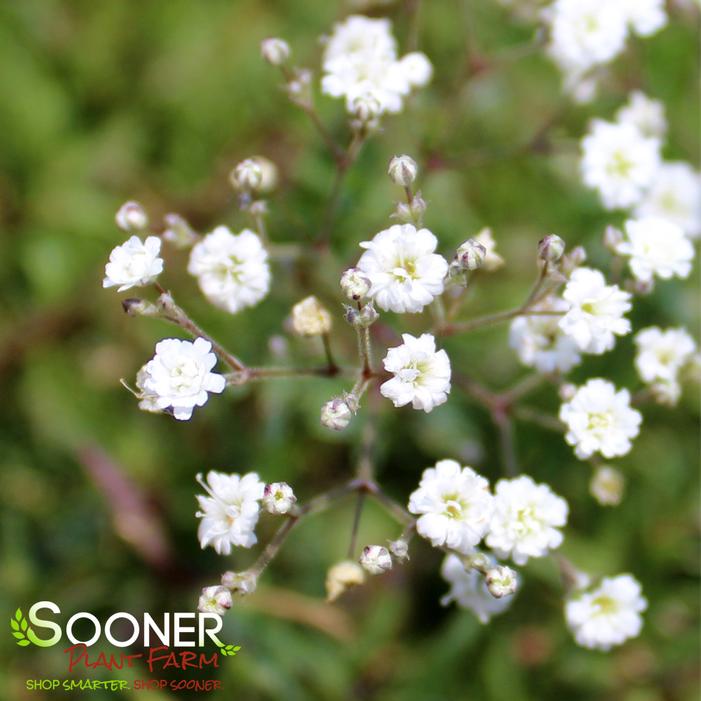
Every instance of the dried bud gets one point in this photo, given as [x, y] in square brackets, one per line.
[501, 581]
[376, 559]
[178, 231]
[240, 583]
[551, 248]
[337, 413]
[310, 318]
[247, 176]
[275, 51]
[132, 218]
[341, 577]
[470, 256]
[399, 548]
[403, 170]
[355, 284]
[612, 238]
[216, 599]
[278, 498]
[607, 486]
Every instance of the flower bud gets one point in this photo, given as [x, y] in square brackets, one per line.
[341, 577]
[403, 170]
[299, 88]
[367, 110]
[310, 318]
[178, 231]
[613, 237]
[567, 391]
[376, 559]
[607, 486]
[501, 581]
[216, 599]
[470, 255]
[364, 317]
[139, 307]
[269, 174]
[275, 51]
[399, 548]
[576, 257]
[337, 413]
[131, 217]
[247, 176]
[666, 393]
[278, 498]
[411, 213]
[355, 284]
[240, 583]
[551, 248]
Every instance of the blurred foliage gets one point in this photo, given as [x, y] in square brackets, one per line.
[105, 101]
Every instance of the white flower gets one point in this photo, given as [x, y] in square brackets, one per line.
[492, 260]
[358, 34]
[240, 583]
[421, 374]
[278, 498]
[131, 217]
[501, 581]
[134, 264]
[607, 615]
[540, 342]
[619, 162]
[231, 269]
[275, 51]
[645, 16]
[585, 33]
[525, 519]
[403, 269]
[675, 195]
[338, 412]
[607, 486]
[230, 511]
[216, 599]
[179, 376]
[600, 419]
[341, 577]
[310, 317]
[656, 248]
[417, 69]
[454, 506]
[644, 113]
[354, 284]
[376, 559]
[469, 590]
[662, 354]
[596, 314]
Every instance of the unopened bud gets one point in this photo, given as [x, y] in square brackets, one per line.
[364, 317]
[403, 170]
[131, 217]
[376, 559]
[666, 393]
[247, 176]
[470, 255]
[613, 237]
[216, 599]
[607, 486]
[240, 583]
[574, 259]
[269, 174]
[501, 581]
[551, 248]
[341, 577]
[367, 110]
[337, 413]
[355, 284]
[139, 307]
[412, 213]
[399, 548]
[275, 51]
[178, 231]
[310, 317]
[278, 498]
[567, 391]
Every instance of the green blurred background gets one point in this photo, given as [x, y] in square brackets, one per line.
[156, 100]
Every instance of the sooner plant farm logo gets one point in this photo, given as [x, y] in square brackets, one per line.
[175, 642]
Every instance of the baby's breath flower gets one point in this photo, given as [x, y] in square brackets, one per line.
[403, 170]
[310, 318]
[275, 51]
[355, 284]
[501, 581]
[215, 599]
[240, 583]
[470, 255]
[551, 248]
[342, 576]
[247, 176]
[376, 559]
[278, 498]
[607, 485]
[337, 413]
[132, 218]
[134, 264]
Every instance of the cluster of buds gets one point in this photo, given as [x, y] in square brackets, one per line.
[363, 317]
[367, 111]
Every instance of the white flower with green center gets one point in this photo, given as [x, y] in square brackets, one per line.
[216, 599]
[607, 615]
[619, 162]
[453, 505]
[656, 247]
[232, 269]
[230, 510]
[404, 271]
[526, 519]
[596, 313]
[134, 264]
[599, 419]
[421, 374]
[178, 378]
[469, 591]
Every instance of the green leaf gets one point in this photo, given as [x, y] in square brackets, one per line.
[19, 635]
[23, 624]
[13, 624]
[23, 643]
[18, 614]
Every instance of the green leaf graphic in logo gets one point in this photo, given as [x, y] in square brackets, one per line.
[21, 629]
[229, 650]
